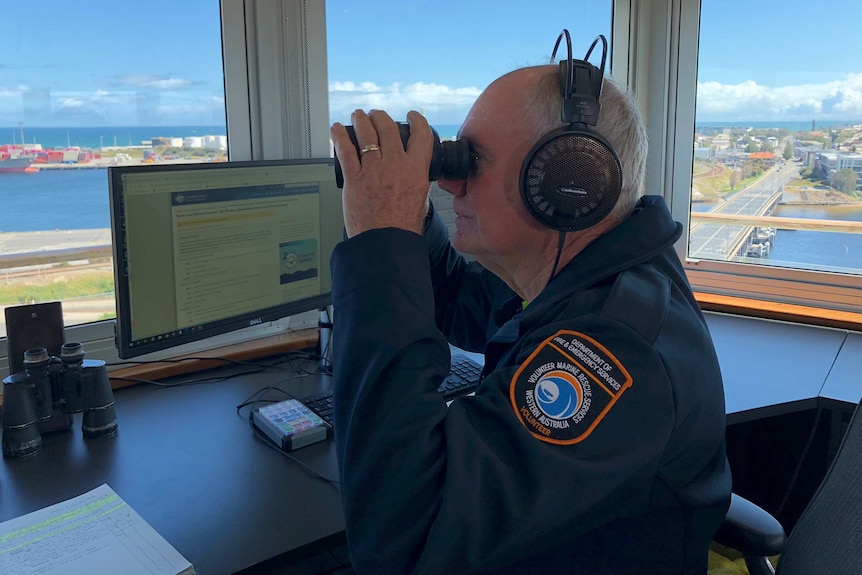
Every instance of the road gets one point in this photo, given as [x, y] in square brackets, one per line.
[720, 241]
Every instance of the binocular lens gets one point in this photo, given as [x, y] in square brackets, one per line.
[20, 430]
[450, 159]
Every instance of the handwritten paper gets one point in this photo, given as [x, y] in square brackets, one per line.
[93, 534]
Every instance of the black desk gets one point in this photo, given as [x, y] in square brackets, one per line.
[192, 468]
[189, 466]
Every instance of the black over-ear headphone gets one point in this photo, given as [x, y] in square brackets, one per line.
[572, 178]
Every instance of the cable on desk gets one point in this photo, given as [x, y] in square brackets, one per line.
[290, 359]
[315, 473]
[214, 379]
[257, 397]
[185, 359]
[252, 400]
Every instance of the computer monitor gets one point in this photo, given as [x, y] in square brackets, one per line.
[203, 249]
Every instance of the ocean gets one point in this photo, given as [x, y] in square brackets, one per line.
[54, 200]
[78, 199]
[790, 126]
[97, 137]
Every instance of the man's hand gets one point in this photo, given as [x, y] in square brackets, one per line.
[388, 186]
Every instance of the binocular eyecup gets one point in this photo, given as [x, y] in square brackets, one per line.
[450, 159]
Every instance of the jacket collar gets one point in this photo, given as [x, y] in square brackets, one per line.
[647, 232]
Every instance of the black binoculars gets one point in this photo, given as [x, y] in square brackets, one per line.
[42, 398]
[450, 159]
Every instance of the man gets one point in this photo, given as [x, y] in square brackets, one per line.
[595, 442]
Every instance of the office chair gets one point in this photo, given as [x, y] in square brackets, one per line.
[828, 536]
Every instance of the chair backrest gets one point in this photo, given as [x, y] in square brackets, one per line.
[828, 536]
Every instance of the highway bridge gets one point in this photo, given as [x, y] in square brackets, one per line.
[724, 237]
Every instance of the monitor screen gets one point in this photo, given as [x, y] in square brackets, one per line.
[203, 249]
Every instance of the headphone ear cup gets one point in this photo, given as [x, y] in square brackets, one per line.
[571, 180]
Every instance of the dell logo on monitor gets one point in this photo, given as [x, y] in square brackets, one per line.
[255, 321]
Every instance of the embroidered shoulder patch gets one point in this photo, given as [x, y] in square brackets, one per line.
[566, 387]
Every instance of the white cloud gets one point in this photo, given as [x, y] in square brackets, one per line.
[441, 104]
[70, 103]
[169, 84]
[11, 107]
[836, 100]
[14, 90]
[153, 82]
[99, 107]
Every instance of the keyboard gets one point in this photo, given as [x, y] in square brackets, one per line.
[463, 378]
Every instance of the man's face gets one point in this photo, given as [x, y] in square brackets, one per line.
[492, 222]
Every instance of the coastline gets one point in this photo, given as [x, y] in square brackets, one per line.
[32, 242]
[797, 196]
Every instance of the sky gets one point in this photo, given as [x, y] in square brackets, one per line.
[69, 64]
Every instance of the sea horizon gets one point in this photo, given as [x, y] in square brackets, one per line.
[95, 137]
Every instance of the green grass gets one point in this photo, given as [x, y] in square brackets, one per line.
[85, 285]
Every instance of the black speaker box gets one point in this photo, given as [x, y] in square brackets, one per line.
[29, 326]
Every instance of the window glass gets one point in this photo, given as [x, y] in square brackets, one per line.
[377, 59]
[436, 57]
[777, 171]
[84, 87]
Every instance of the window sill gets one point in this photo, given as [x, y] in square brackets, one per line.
[780, 311]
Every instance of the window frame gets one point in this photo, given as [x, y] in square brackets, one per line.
[274, 62]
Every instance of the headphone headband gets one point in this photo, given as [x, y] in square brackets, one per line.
[580, 83]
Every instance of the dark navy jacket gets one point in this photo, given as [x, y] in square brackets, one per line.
[627, 475]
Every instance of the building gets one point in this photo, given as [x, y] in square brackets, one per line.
[167, 142]
[703, 153]
[833, 161]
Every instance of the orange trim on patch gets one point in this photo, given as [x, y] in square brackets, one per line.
[586, 356]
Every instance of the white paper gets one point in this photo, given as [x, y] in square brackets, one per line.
[93, 534]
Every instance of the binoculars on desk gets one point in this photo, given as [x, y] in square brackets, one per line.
[42, 398]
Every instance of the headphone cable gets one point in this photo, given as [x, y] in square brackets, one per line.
[560, 241]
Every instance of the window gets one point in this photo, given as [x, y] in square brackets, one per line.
[260, 68]
[377, 60]
[729, 90]
[778, 133]
[84, 87]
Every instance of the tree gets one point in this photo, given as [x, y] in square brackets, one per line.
[788, 151]
[752, 147]
[844, 180]
[734, 179]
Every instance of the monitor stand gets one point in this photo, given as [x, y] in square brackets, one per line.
[325, 325]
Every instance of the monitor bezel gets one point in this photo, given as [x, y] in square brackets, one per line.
[126, 347]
